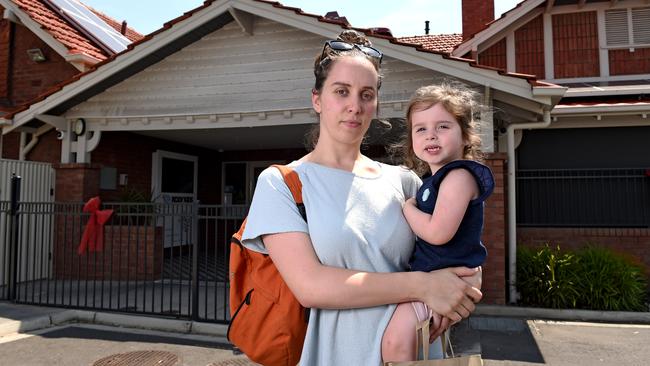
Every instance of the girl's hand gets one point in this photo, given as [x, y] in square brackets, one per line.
[447, 294]
[439, 325]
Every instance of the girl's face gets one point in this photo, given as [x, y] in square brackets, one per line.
[437, 136]
[347, 101]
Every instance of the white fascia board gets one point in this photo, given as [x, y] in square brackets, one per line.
[497, 27]
[35, 28]
[121, 62]
[463, 70]
[81, 61]
[596, 91]
[549, 91]
[288, 17]
[603, 109]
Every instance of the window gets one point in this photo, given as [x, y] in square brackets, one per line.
[627, 27]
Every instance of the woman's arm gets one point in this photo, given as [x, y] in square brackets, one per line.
[456, 190]
[321, 286]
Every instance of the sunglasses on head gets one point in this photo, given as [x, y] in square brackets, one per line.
[346, 46]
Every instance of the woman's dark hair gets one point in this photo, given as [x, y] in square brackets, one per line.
[326, 59]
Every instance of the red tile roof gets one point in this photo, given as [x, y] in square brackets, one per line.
[435, 42]
[531, 79]
[53, 23]
[66, 34]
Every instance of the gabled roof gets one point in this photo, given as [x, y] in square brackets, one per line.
[508, 18]
[60, 34]
[212, 15]
[435, 42]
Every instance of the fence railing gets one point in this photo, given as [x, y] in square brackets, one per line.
[584, 198]
[163, 259]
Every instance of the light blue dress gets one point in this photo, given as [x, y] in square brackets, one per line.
[354, 222]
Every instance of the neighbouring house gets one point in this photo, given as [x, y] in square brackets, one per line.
[583, 176]
[195, 110]
[41, 46]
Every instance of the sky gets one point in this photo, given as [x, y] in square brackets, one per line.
[404, 18]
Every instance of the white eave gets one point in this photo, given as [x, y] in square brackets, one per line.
[36, 28]
[601, 109]
[459, 68]
[497, 26]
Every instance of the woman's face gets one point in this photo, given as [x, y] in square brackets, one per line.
[347, 101]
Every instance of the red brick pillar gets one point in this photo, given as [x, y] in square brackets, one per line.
[76, 182]
[495, 234]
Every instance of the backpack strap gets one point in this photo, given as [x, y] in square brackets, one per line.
[292, 181]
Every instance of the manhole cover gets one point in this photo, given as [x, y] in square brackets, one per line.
[139, 358]
[235, 362]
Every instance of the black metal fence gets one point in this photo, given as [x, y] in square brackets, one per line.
[584, 198]
[159, 259]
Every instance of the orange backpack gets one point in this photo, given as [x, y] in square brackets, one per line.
[268, 323]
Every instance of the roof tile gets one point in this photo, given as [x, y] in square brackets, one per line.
[435, 42]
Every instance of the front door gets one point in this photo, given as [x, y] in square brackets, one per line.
[174, 182]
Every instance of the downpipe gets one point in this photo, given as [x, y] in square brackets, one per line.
[512, 203]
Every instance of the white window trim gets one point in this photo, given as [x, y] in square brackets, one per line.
[156, 171]
[250, 166]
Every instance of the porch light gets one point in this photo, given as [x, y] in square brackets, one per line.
[36, 55]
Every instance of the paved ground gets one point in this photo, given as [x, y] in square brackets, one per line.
[34, 336]
[88, 344]
[508, 341]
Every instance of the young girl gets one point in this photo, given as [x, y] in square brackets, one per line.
[447, 212]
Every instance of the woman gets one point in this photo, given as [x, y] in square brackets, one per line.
[345, 264]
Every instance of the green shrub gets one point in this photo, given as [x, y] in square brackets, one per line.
[610, 281]
[545, 278]
[590, 278]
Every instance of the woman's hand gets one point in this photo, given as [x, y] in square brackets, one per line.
[448, 294]
[475, 279]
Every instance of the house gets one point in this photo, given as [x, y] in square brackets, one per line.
[42, 46]
[582, 177]
[195, 110]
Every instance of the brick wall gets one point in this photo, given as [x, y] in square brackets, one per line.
[494, 234]
[529, 46]
[494, 56]
[625, 62]
[631, 242]
[29, 78]
[129, 253]
[76, 182]
[575, 45]
[5, 37]
[476, 14]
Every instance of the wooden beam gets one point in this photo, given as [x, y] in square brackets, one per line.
[245, 20]
[549, 5]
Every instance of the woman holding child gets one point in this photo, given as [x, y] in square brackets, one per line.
[349, 262]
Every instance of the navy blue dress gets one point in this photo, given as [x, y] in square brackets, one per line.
[465, 248]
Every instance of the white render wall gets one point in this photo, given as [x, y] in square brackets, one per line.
[228, 72]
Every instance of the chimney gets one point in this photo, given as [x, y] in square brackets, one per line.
[123, 28]
[476, 14]
[426, 27]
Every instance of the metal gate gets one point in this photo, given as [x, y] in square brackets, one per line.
[123, 266]
[37, 185]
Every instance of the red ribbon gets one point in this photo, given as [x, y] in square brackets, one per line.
[93, 237]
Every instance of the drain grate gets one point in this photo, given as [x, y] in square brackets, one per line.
[235, 362]
[139, 358]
